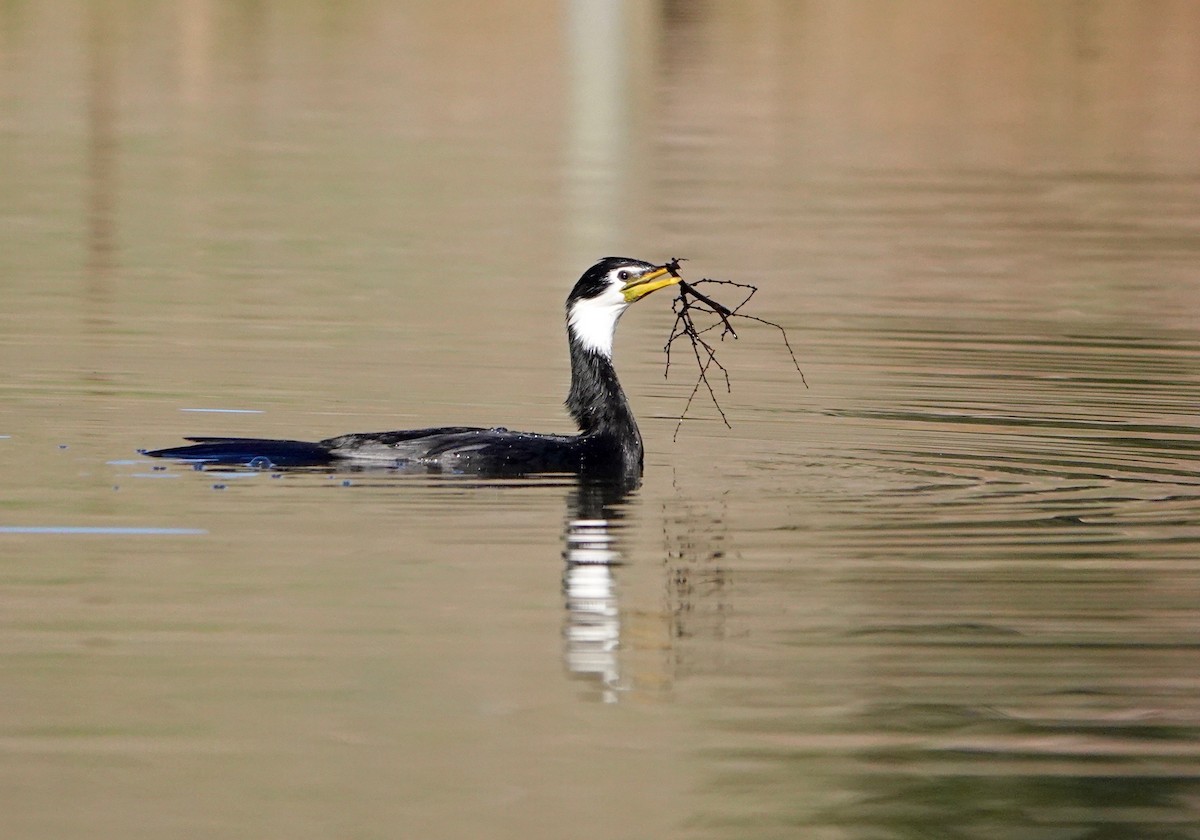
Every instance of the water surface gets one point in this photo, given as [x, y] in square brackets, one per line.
[948, 589]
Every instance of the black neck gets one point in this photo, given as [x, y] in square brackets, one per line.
[598, 404]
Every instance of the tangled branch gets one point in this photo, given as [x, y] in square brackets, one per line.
[690, 302]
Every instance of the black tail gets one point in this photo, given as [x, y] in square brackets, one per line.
[249, 452]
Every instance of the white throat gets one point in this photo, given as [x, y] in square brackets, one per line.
[594, 320]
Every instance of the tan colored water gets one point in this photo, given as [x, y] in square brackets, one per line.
[950, 590]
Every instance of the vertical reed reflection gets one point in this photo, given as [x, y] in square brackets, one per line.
[100, 269]
[608, 45]
[101, 164]
[196, 94]
[195, 61]
[598, 118]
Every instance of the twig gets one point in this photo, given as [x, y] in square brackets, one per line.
[690, 300]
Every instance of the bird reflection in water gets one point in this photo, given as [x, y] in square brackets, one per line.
[677, 621]
[592, 627]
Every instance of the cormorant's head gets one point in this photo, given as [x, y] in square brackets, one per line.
[604, 292]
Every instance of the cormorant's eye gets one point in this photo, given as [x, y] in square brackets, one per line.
[623, 275]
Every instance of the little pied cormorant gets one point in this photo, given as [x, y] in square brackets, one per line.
[608, 443]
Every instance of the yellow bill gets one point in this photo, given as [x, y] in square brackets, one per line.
[649, 282]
